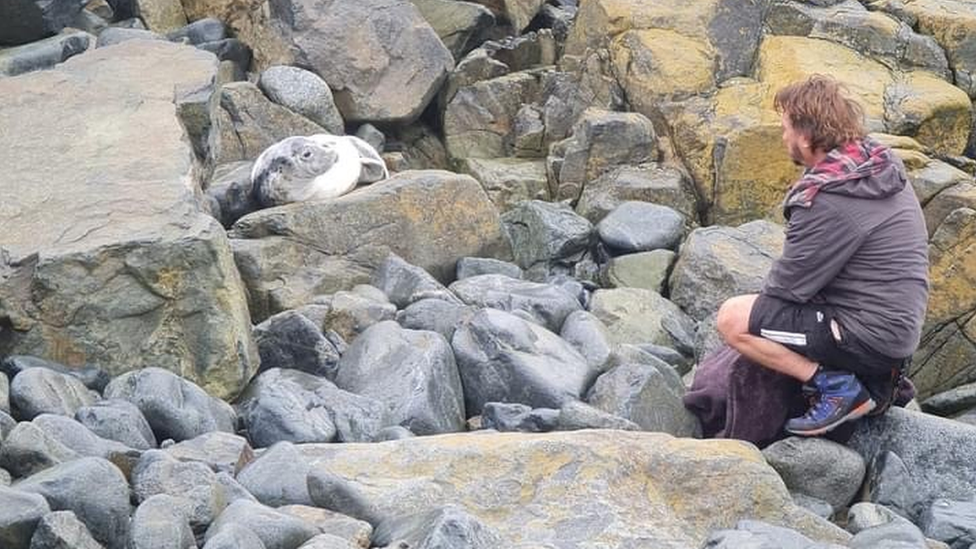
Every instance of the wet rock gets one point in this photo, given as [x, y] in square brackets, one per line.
[196, 493]
[218, 450]
[716, 263]
[435, 315]
[518, 417]
[588, 335]
[229, 192]
[43, 54]
[404, 283]
[448, 527]
[474, 266]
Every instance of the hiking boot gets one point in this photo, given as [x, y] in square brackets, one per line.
[838, 397]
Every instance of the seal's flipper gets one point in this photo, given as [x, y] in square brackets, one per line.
[374, 169]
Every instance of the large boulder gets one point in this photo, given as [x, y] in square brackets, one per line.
[944, 359]
[587, 487]
[503, 358]
[650, 182]
[429, 218]
[160, 522]
[932, 452]
[726, 140]
[63, 530]
[412, 371]
[951, 23]
[545, 232]
[716, 263]
[358, 47]
[157, 285]
[276, 529]
[873, 33]
[818, 467]
[303, 92]
[672, 49]
[41, 391]
[193, 486]
[601, 140]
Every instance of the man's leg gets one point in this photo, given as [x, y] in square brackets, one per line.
[733, 324]
[751, 323]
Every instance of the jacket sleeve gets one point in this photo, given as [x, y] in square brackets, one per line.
[819, 242]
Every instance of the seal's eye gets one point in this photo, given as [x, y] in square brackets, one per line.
[306, 154]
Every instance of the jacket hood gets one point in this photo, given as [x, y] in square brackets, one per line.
[862, 169]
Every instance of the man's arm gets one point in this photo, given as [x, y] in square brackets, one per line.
[819, 242]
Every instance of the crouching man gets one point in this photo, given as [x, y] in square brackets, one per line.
[842, 309]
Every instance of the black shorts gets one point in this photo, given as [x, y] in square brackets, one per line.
[805, 328]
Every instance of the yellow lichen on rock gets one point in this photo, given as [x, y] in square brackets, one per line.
[586, 489]
[653, 64]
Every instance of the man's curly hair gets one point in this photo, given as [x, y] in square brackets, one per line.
[820, 108]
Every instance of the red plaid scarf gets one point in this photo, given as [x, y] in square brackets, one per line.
[849, 162]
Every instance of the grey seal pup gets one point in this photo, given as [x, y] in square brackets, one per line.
[313, 167]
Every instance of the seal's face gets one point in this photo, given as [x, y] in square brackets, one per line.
[310, 159]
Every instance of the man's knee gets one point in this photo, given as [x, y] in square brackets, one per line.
[733, 316]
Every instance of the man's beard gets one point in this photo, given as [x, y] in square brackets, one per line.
[796, 155]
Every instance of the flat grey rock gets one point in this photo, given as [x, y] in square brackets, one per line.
[546, 304]
[818, 467]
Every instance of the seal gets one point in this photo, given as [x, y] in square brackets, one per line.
[315, 167]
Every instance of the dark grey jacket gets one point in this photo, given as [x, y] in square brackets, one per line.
[862, 248]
